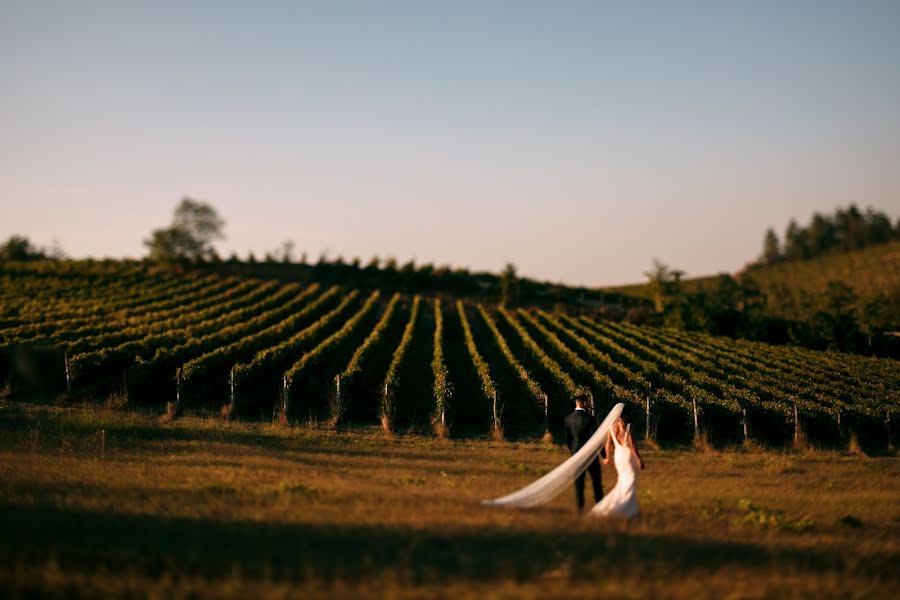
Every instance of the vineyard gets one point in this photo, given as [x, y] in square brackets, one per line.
[329, 355]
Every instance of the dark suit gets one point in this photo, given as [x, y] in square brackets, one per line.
[579, 428]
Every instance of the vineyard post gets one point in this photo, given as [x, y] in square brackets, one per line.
[887, 425]
[338, 401]
[546, 414]
[68, 376]
[840, 429]
[647, 425]
[231, 389]
[696, 418]
[493, 409]
[387, 421]
[178, 387]
[745, 425]
[285, 395]
[797, 432]
[593, 408]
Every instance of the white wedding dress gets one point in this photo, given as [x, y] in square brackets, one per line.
[550, 485]
[621, 501]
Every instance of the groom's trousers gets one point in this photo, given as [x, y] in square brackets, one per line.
[594, 470]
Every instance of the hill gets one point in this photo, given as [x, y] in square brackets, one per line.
[333, 354]
[868, 271]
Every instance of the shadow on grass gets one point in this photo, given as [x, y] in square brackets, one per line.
[152, 546]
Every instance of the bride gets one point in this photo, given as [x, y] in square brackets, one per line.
[621, 501]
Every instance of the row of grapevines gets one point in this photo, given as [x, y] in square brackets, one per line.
[618, 373]
[101, 307]
[204, 317]
[354, 368]
[834, 370]
[534, 389]
[231, 326]
[489, 392]
[713, 391]
[762, 367]
[781, 392]
[103, 304]
[212, 362]
[392, 379]
[109, 332]
[675, 379]
[578, 365]
[647, 369]
[275, 358]
[556, 373]
[110, 355]
[442, 389]
[309, 362]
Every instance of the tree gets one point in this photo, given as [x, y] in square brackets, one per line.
[771, 247]
[508, 285]
[19, 247]
[189, 239]
[821, 235]
[663, 283]
[796, 245]
[876, 314]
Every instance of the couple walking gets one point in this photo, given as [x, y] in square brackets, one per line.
[621, 501]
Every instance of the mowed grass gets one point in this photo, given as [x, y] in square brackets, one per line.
[97, 503]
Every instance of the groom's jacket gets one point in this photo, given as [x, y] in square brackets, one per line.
[579, 428]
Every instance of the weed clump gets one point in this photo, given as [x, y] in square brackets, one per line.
[760, 517]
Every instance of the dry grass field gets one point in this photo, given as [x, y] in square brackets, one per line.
[101, 503]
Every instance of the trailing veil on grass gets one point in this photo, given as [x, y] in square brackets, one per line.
[550, 485]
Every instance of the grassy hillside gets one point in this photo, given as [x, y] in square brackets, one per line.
[869, 270]
[101, 504]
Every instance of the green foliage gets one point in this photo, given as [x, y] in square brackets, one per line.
[392, 379]
[194, 227]
[663, 284]
[19, 247]
[307, 364]
[759, 517]
[849, 229]
[120, 320]
[534, 389]
[443, 390]
[488, 390]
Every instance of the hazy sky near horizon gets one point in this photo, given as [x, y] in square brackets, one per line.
[577, 140]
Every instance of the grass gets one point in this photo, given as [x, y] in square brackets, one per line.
[868, 270]
[97, 502]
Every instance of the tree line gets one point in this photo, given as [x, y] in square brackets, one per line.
[847, 229]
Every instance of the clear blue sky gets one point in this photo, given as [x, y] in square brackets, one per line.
[576, 139]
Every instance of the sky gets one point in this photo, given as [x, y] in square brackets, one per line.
[577, 140]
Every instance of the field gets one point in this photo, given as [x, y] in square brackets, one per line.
[310, 353]
[193, 435]
[101, 503]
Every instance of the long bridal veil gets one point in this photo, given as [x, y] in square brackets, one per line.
[550, 485]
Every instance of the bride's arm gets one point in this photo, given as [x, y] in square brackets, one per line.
[634, 451]
[608, 449]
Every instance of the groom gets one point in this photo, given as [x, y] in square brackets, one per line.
[579, 428]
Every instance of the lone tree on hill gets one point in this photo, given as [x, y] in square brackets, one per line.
[19, 247]
[663, 282]
[194, 227]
